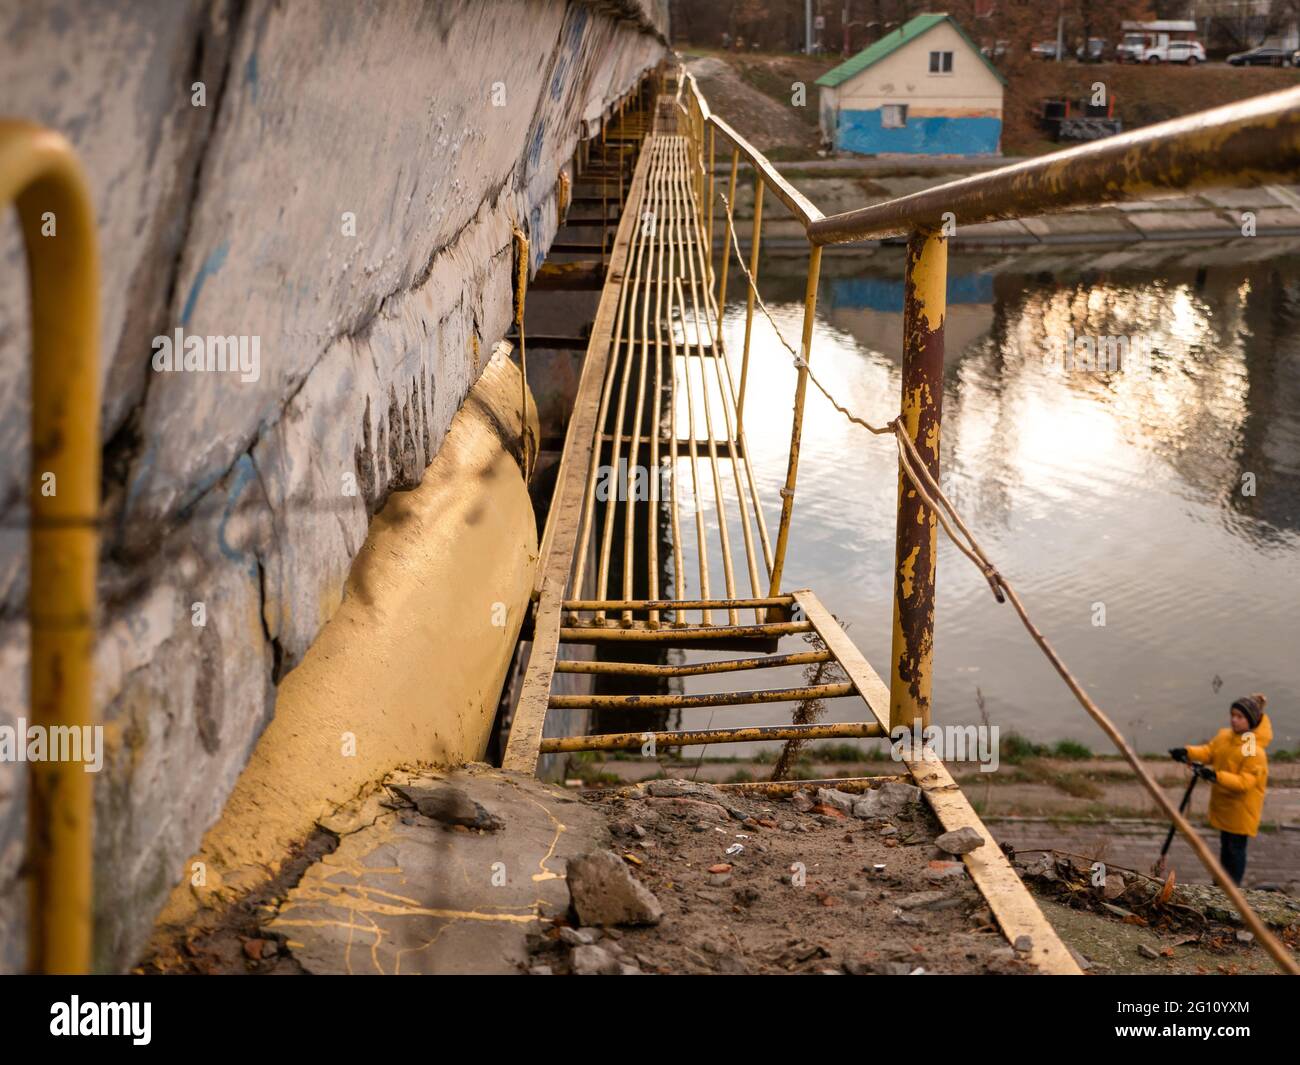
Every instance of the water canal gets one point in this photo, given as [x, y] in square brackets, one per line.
[1149, 517]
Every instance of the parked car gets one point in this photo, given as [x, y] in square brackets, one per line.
[1262, 57]
[1093, 52]
[1159, 48]
[1045, 49]
[1189, 52]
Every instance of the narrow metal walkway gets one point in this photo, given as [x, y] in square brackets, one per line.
[655, 460]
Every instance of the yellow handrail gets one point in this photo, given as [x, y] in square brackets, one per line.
[798, 204]
[41, 175]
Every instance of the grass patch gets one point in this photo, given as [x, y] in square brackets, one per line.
[1071, 751]
[1015, 749]
[837, 753]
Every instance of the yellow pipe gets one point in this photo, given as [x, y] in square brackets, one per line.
[41, 175]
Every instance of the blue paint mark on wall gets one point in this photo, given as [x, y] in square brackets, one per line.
[250, 74]
[536, 253]
[886, 293]
[244, 474]
[535, 146]
[569, 48]
[861, 131]
[215, 260]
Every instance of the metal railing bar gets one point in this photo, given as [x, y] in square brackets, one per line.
[795, 201]
[619, 741]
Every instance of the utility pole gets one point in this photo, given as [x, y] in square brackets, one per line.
[807, 27]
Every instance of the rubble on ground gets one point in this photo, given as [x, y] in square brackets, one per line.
[824, 881]
[1160, 904]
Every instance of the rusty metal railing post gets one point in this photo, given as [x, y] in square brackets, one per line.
[749, 298]
[40, 173]
[911, 659]
[796, 431]
[726, 248]
[708, 251]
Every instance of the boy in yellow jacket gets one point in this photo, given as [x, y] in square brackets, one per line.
[1234, 761]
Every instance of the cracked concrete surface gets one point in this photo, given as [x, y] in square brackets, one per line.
[407, 894]
[225, 220]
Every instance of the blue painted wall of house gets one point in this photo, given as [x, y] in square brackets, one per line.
[861, 131]
[887, 293]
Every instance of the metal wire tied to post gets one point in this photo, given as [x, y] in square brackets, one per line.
[960, 535]
[799, 362]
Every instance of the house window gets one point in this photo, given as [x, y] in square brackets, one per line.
[940, 62]
[893, 116]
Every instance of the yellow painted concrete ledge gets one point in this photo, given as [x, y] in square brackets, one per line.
[410, 666]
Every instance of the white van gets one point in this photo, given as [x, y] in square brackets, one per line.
[1164, 41]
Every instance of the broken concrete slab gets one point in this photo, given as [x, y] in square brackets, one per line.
[411, 894]
[675, 789]
[960, 841]
[840, 800]
[604, 892]
[887, 801]
[695, 809]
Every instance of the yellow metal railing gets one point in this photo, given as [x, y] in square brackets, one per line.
[40, 174]
[1248, 143]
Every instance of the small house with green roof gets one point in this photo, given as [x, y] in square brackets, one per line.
[922, 89]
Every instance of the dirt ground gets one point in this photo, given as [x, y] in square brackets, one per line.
[802, 896]
[1111, 947]
[770, 122]
[744, 884]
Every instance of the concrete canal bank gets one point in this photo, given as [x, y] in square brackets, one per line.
[332, 188]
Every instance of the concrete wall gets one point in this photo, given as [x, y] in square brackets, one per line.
[342, 188]
[959, 113]
[412, 661]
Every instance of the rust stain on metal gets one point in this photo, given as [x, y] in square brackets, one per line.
[916, 544]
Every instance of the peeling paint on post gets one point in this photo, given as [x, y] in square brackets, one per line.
[911, 676]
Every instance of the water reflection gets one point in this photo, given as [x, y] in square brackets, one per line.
[1168, 491]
